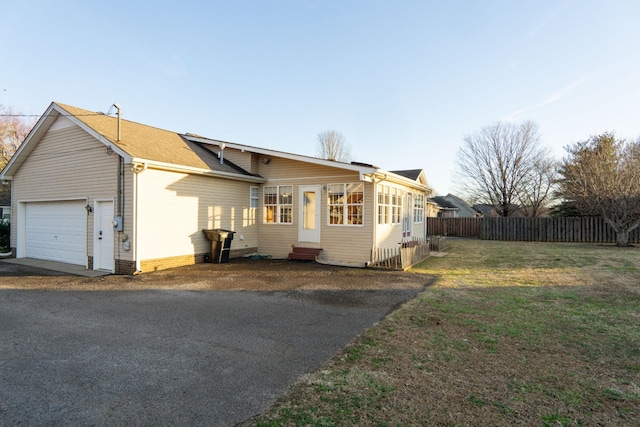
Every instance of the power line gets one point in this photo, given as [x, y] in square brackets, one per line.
[58, 115]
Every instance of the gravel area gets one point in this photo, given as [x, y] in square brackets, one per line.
[238, 274]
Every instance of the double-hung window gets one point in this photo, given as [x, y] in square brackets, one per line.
[384, 208]
[396, 205]
[278, 204]
[345, 203]
[389, 205]
[418, 208]
[254, 197]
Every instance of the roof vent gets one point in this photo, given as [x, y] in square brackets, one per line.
[118, 112]
[221, 153]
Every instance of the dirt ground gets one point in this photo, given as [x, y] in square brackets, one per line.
[238, 274]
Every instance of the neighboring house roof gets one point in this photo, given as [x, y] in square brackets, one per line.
[138, 143]
[486, 210]
[451, 201]
[443, 202]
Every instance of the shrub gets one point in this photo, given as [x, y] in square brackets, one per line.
[5, 232]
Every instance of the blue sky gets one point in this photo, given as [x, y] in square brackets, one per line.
[403, 81]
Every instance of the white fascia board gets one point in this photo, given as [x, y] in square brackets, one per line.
[170, 167]
[290, 156]
[399, 179]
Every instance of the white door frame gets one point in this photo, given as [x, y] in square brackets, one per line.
[306, 234]
[98, 206]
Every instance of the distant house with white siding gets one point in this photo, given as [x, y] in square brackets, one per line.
[119, 196]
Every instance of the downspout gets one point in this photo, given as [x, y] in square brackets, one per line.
[120, 181]
[136, 252]
[136, 169]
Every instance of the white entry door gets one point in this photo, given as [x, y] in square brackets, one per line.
[103, 241]
[309, 221]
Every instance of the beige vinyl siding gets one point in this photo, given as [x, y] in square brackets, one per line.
[239, 158]
[390, 235]
[349, 243]
[173, 208]
[67, 164]
[418, 230]
[342, 243]
[280, 168]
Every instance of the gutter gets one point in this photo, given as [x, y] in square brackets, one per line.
[144, 164]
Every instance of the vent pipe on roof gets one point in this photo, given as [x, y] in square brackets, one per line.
[221, 153]
[118, 108]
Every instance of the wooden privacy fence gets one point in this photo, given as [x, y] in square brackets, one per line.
[571, 230]
[454, 227]
[401, 257]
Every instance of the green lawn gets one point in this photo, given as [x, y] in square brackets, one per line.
[510, 333]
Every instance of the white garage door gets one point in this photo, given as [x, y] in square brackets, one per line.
[56, 231]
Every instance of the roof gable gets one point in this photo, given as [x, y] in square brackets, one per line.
[417, 175]
[147, 142]
[138, 142]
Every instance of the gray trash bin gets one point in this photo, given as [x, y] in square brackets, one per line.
[220, 244]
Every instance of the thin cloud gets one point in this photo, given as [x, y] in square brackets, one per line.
[550, 18]
[555, 96]
[175, 67]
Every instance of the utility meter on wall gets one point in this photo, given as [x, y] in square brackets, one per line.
[117, 223]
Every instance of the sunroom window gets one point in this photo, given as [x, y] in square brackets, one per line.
[345, 203]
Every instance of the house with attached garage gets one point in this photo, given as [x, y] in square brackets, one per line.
[115, 195]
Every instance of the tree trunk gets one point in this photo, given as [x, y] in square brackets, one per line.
[622, 237]
[623, 230]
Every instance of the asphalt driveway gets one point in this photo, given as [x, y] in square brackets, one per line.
[169, 356]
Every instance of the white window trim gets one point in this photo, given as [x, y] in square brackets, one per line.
[418, 209]
[278, 205]
[254, 202]
[345, 205]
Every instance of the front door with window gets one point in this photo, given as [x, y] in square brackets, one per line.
[407, 219]
[309, 223]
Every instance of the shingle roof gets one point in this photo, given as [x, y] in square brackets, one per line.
[443, 202]
[151, 143]
[409, 173]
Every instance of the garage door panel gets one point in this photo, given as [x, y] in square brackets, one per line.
[56, 231]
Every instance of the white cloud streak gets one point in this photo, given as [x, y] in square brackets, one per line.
[550, 18]
[554, 97]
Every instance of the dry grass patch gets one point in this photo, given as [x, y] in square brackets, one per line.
[511, 333]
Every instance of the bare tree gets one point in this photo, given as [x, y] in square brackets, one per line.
[601, 176]
[332, 146]
[497, 166]
[13, 130]
[538, 188]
